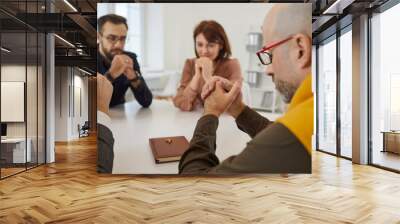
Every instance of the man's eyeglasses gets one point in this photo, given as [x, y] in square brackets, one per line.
[113, 39]
[265, 56]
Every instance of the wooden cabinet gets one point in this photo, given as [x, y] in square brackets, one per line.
[391, 142]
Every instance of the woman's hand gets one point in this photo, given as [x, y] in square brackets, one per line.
[205, 67]
[203, 71]
[195, 82]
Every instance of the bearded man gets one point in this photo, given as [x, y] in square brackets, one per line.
[120, 67]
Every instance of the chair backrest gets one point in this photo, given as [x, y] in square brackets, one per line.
[86, 125]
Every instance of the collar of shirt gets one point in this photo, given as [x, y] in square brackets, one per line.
[299, 118]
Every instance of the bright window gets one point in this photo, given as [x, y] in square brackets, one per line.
[346, 94]
[385, 85]
[327, 96]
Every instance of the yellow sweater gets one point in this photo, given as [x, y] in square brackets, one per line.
[299, 118]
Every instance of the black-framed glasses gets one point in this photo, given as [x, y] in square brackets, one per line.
[265, 56]
[113, 39]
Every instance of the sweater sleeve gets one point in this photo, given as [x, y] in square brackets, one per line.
[185, 97]
[234, 71]
[251, 122]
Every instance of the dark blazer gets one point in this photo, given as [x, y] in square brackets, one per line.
[105, 149]
[121, 84]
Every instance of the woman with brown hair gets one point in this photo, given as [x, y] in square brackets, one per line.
[213, 53]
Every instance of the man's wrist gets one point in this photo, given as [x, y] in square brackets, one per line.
[212, 112]
[238, 110]
[135, 84]
[109, 76]
[136, 80]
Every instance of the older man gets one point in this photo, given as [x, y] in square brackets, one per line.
[283, 146]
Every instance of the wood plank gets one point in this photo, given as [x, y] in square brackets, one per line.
[70, 191]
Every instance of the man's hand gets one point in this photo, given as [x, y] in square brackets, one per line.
[220, 100]
[237, 105]
[119, 65]
[209, 86]
[130, 73]
[205, 67]
[104, 93]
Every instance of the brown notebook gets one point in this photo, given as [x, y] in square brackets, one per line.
[168, 149]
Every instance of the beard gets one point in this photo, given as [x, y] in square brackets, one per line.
[110, 54]
[286, 89]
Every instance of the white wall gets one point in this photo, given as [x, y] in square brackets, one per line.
[169, 35]
[12, 73]
[179, 21]
[67, 117]
[154, 36]
[80, 83]
[33, 127]
[61, 103]
[168, 29]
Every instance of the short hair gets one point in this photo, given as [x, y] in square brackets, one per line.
[214, 33]
[112, 18]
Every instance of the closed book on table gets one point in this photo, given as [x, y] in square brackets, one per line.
[168, 149]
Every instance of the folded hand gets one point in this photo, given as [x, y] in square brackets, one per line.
[205, 67]
[219, 100]
[237, 105]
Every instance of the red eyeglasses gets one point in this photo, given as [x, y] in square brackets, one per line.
[266, 57]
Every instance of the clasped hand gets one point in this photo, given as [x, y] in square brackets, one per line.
[122, 64]
[221, 95]
[204, 67]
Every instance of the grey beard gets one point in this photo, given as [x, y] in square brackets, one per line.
[286, 89]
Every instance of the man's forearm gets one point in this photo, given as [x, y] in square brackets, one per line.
[200, 157]
[251, 122]
[142, 93]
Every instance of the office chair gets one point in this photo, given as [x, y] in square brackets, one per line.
[84, 130]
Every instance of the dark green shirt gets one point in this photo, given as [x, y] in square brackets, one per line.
[273, 148]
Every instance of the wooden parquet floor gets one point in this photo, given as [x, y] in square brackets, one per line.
[70, 191]
[10, 171]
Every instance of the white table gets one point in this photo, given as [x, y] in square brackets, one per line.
[19, 155]
[134, 125]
